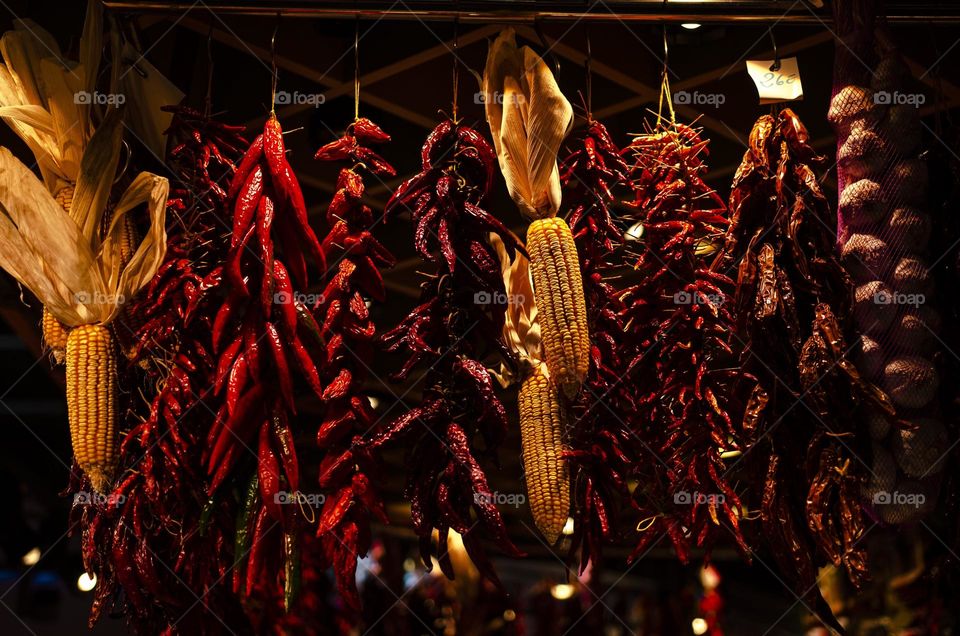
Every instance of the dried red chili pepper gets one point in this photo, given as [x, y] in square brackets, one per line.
[448, 333]
[680, 354]
[793, 302]
[599, 442]
[350, 333]
[173, 366]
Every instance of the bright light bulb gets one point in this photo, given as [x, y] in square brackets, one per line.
[562, 591]
[690, 25]
[86, 582]
[699, 626]
[374, 402]
[568, 526]
[31, 557]
[634, 232]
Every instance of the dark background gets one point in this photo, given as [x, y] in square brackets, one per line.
[405, 69]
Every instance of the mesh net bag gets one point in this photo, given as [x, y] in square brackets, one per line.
[884, 231]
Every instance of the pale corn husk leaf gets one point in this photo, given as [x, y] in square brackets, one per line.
[127, 281]
[36, 76]
[521, 328]
[42, 247]
[146, 97]
[97, 171]
[91, 47]
[529, 118]
[550, 119]
[69, 123]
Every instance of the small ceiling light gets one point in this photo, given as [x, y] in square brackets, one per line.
[568, 526]
[562, 591]
[509, 615]
[86, 582]
[699, 626]
[690, 25]
[31, 558]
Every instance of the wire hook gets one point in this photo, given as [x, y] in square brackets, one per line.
[776, 54]
[548, 50]
[589, 68]
[273, 65]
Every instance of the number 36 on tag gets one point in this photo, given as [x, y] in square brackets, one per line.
[780, 85]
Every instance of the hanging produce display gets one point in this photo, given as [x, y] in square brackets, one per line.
[694, 403]
[161, 455]
[601, 443]
[455, 326]
[753, 372]
[347, 473]
[885, 230]
[793, 305]
[528, 124]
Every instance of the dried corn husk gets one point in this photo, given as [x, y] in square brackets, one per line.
[78, 277]
[38, 95]
[529, 118]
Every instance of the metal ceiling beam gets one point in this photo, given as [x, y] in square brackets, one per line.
[487, 11]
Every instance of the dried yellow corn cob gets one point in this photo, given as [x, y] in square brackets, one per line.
[542, 424]
[562, 309]
[126, 327]
[54, 333]
[92, 402]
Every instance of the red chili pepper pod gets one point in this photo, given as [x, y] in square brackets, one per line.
[263, 223]
[286, 186]
[367, 132]
[283, 370]
[246, 206]
[249, 161]
[268, 472]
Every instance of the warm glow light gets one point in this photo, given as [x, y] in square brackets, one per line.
[374, 402]
[562, 591]
[509, 615]
[568, 526]
[409, 565]
[699, 626]
[634, 232]
[455, 542]
[86, 582]
[31, 557]
[690, 25]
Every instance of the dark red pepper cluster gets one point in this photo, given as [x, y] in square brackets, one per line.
[793, 302]
[600, 442]
[683, 360]
[158, 538]
[259, 337]
[461, 315]
[350, 336]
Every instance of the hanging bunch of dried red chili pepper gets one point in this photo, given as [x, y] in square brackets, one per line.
[261, 336]
[682, 359]
[600, 440]
[457, 323]
[129, 540]
[793, 304]
[350, 336]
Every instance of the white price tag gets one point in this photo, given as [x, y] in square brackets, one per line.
[781, 85]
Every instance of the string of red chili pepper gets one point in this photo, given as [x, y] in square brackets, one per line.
[600, 440]
[793, 301]
[261, 336]
[460, 316]
[682, 362]
[131, 542]
[350, 335]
